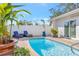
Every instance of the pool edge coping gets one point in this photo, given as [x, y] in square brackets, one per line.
[69, 45]
[49, 38]
[31, 49]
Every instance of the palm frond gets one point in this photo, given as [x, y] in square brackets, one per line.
[16, 12]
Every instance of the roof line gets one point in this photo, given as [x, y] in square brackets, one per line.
[66, 14]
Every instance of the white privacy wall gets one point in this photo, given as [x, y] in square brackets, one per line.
[32, 29]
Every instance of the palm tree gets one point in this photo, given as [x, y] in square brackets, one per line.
[43, 21]
[3, 21]
[13, 14]
[8, 14]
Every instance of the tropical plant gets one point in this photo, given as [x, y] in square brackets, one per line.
[36, 23]
[24, 22]
[3, 21]
[54, 31]
[8, 14]
[21, 52]
[29, 23]
[43, 21]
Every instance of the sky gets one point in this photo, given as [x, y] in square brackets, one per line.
[38, 11]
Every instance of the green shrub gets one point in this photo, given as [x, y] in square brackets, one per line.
[21, 52]
[54, 32]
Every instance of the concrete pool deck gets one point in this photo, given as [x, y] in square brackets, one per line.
[25, 42]
[65, 41]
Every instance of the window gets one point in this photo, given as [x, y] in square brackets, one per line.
[70, 29]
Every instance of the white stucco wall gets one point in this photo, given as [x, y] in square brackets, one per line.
[32, 29]
[77, 28]
[59, 23]
[60, 26]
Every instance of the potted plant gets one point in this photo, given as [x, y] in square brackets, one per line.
[54, 32]
[7, 14]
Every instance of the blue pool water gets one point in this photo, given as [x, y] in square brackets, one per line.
[46, 47]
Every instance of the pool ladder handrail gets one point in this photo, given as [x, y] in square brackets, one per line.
[72, 48]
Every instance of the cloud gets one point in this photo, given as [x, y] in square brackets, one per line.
[43, 4]
[40, 4]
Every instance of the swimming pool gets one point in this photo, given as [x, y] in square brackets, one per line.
[45, 47]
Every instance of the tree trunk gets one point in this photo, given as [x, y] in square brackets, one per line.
[1, 40]
[10, 31]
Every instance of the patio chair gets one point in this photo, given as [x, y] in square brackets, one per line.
[25, 34]
[17, 35]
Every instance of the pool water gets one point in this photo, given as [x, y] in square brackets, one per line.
[45, 47]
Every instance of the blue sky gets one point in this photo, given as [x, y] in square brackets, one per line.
[38, 10]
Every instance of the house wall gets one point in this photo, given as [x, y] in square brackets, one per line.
[77, 28]
[32, 29]
[59, 23]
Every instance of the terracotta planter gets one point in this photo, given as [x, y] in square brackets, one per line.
[6, 49]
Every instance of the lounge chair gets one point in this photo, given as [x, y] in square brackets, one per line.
[17, 35]
[25, 34]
